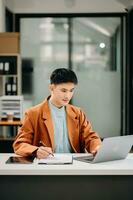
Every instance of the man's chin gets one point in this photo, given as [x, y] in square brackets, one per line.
[65, 103]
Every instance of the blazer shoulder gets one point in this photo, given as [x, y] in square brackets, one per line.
[35, 109]
[75, 109]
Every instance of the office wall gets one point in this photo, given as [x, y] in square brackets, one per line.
[65, 6]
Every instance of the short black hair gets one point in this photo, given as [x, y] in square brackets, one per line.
[63, 75]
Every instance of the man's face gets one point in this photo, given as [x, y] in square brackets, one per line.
[62, 93]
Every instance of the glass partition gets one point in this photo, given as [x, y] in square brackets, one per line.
[95, 44]
[96, 60]
[44, 47]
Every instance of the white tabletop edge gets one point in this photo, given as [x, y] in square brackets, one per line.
[119, 167]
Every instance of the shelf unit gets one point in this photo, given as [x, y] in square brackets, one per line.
[10, 88]
[11, 108]
[10, 74]
[12, 127]
[9, 123]
[9, 130]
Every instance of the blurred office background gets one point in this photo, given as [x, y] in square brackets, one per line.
[91, 46]
[90, 37]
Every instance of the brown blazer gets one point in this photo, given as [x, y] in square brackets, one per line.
[37, 126]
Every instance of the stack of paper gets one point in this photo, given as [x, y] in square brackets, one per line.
[57, 159]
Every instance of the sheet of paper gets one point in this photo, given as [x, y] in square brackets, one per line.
[57, 159]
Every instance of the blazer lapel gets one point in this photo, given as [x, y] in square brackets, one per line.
[73, 127]
[72, 124]
[48, 122]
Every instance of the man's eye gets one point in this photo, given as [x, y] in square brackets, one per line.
[72, 90]
[63, 90]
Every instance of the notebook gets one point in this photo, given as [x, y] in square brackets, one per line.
[112, 148]
[57, 159]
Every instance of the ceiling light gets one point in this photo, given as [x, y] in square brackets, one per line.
[102, 45]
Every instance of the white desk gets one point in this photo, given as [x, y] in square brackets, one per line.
[119, 167]
[79, 181]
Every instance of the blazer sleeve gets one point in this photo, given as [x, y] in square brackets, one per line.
[23, 144]
[90, 139]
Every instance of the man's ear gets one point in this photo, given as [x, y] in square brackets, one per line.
[51, 87]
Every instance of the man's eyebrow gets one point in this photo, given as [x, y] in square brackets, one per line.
[72, 88]
[67, 89]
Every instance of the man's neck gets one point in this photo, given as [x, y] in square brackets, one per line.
[54, 103]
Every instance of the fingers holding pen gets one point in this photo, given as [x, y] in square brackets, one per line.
[43, 152]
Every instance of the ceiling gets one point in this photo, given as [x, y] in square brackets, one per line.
[71, 6]
[95, 27]
[127, 3]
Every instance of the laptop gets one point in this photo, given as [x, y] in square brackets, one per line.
[112, 148]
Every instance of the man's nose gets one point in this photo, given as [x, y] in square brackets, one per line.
[68, 95]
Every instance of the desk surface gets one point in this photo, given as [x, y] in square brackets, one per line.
[119, 167]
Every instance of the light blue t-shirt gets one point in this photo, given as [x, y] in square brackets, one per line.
[61, 140]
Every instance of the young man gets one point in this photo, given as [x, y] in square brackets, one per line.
[55, 125]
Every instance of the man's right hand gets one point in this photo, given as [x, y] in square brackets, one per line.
[43, 152]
